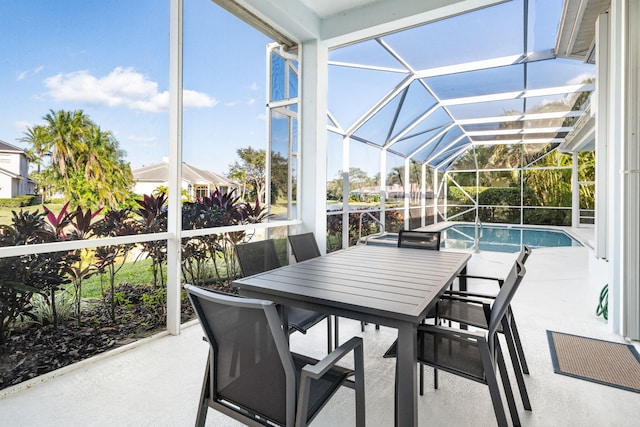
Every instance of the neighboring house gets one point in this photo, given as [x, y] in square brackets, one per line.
[197, 182]
[14, 172]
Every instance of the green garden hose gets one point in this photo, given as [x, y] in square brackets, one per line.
[603, 305]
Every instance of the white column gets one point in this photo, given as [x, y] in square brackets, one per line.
[624, 162]
[575, 192]
[631, 178]
[600, 107]
[345, 190]
[313, 144]
[174, 222]
[407, 192]
[423, 195]
[383, 186]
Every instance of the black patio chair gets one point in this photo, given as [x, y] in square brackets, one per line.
[260, 256]
[474, 354]
[304, 247]
[455, 310]
[252, 376]
[419, 239]
[429, 240]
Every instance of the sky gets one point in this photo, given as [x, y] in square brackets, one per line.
[111, 60]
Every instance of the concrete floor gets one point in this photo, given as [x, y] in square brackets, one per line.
[158, 383]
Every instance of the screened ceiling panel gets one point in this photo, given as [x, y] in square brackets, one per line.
[368, 53]
[550, 103]
[376, 130]
[410, 144]
[479, 110]
[368, 87]
[416, 102]
[543, 24]
[479, 82]
[488, 77]
[493, 127]
[487, 33]
[437, 118]
[558, 72]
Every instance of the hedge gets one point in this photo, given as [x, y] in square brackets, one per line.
[18, 202]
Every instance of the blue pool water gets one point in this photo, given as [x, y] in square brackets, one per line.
[496, 238]
[505, 238]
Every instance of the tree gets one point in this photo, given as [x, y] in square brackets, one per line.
[358, 179]
[86, 165]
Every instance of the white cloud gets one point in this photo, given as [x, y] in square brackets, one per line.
[251, 101]
[23, 125]
[580, 79]
[23, 75]
[254, 86]
[123, 87]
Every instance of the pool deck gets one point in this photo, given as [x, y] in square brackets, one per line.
[157, 382]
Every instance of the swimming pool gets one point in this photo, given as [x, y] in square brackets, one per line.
[499, 238]
[496, 238]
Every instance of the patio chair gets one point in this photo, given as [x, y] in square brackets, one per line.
[251, 375]
[304, 247]
[454, 310]
[414, 239]
[260, 256]
[474, 354]
[419, 239]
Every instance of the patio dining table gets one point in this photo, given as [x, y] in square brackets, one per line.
[390, 286]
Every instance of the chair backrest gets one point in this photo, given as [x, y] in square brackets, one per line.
[251, 367]
[505, 295]
[524, 254]
[257, 257]
[419, 239]
[304, 246]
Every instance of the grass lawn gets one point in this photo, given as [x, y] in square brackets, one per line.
[6, 215]
[138, 273]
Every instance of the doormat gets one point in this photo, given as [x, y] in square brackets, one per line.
[602, 362]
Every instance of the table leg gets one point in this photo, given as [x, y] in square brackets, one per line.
[462, 281]
[406, 403]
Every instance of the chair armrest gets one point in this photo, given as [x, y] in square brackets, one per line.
[445, 330]
[466, 294]
[319, 369]
[472, 276]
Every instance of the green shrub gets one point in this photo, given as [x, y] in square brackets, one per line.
[42, 310]
[18, 202]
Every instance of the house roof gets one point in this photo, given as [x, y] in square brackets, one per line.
[6, 147]
[159, 172]
[9, 173]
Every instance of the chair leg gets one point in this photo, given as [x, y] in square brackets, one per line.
[336, 335]
[516, 339]
[494, 389]
[515, 361]
[513, 409]
[421, 379]
[203, 406]
[359, 386]
[329, 334]
[362, 326]
[435, 379]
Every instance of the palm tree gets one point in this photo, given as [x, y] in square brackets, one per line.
[37, 137]
[66, 130]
